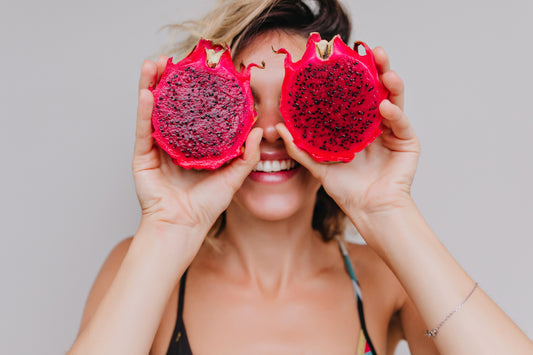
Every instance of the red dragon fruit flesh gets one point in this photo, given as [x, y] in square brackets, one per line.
[203, 108]
[330, 99]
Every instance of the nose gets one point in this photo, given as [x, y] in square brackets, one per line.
[268, 116]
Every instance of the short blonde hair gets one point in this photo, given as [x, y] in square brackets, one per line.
[237, 23]
[222, 24]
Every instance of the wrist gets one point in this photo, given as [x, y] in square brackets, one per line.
[176, 243]
[380, 227]
[170, 228]
[370, 213]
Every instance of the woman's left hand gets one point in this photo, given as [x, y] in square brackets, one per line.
[379, 177]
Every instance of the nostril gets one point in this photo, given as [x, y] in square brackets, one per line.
[270, 133]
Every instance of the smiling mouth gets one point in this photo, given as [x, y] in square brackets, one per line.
[274, 166]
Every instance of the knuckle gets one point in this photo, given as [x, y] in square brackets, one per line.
[145, 96]
[400, 84]
[148, 66]
[162, 59]
[138, 163]
[394, 82]
[395, 113]
[416, 147]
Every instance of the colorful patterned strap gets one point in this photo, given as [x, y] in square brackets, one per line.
[364, 346]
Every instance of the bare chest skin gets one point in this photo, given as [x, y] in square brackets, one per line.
[314, 316]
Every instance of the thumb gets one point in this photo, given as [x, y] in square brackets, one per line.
[235, 173]
[230, 178]
[299, 155]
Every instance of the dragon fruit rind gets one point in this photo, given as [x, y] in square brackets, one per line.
[330, 99]
[203, 108]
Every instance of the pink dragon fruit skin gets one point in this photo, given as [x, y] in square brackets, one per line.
[330, 99]
[203, 108]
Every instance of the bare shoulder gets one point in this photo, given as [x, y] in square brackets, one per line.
[373, 272]
[383, 295]
[391, 313]
[104, 279]
[382, 289]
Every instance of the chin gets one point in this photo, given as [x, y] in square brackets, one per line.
[272, 207]
[276, 202]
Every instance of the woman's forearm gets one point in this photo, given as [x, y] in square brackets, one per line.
[129, 314]
[437, 284]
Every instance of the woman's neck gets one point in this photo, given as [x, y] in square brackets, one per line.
[269, 254]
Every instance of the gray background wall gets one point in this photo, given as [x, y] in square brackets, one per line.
[69, 73]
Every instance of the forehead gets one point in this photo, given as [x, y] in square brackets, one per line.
[262, 48]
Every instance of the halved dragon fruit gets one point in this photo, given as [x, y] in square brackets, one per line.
[330, 99]
[203, 108]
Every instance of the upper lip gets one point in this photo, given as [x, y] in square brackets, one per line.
[275, 155]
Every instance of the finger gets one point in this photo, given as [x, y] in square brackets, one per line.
[230, 178]
[148, 75]
[297, 154]
[382, 60]
[238, 170]
[143, 131]
[214, 193]
[252, 153]
[161, 65]
[397, 120]
[394, 84]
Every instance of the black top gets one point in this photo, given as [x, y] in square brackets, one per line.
[179, 343]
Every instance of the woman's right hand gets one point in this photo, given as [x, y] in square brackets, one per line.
[169, 195]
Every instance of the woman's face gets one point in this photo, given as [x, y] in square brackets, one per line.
[270, 193]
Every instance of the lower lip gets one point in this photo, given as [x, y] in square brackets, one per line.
[273, 178]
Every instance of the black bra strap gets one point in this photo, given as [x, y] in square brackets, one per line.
[181, 296]
[363, 325]
[179, 344]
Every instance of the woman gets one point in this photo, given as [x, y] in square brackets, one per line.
[274, 279]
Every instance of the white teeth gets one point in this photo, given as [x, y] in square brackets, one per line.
[272, 166]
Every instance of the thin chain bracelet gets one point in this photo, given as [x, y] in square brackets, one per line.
[433, 333]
